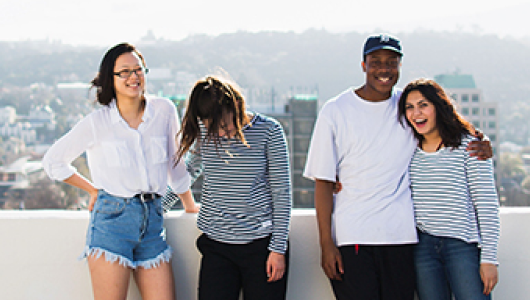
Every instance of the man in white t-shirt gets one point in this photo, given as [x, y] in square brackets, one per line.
[367, 231]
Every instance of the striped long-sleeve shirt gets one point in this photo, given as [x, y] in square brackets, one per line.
[246, 192]
[454, 196]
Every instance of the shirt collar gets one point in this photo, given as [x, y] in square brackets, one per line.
[114, 113]
[115, 116]
[148, 110]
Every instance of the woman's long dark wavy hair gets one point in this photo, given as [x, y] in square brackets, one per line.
[104, 80]
[211, 99]
[451, 126]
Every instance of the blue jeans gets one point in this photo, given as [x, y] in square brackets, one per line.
[446, 266]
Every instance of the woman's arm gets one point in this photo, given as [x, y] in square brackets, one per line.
[81, 182]
[57, 162]
[190, 206]
[178, 177]
[485, 201]
[280, 183]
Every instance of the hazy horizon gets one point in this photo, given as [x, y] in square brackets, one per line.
[105, 22]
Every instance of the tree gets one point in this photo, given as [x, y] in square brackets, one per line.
[515, 184]
[511, 165]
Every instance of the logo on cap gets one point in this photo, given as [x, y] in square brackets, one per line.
[382, 41]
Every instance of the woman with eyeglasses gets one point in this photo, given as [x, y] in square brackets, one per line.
[455, 201]
[129, 142]
[246, 193]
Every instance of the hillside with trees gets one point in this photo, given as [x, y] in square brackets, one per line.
[326, 62]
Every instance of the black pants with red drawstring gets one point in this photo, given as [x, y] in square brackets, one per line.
[376, 272]
[228, 269]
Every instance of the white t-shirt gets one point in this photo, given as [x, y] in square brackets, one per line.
[364, 144]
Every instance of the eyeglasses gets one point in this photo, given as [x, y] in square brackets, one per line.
[124, 74]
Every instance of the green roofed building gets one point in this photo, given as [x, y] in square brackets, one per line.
[456, 81]
[306, 97]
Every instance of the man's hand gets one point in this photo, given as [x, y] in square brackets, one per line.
[331, 261]
[337, 187]
[489, 276]
[275, 266]
[481, 148]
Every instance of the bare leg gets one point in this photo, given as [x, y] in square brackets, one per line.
[156, 283]
[110, 281]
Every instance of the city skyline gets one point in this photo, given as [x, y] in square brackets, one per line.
[105, 22]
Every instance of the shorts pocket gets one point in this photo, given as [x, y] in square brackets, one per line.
[110, 205]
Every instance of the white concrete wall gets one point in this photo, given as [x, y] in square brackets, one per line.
[39, 250]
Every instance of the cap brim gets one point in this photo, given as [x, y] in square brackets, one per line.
[384, 47]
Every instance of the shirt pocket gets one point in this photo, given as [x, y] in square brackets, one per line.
[158, 150]
[116, 154]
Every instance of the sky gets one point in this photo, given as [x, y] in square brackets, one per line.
[106, 22]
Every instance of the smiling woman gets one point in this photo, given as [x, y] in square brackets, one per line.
[455, 202]
[129, 141]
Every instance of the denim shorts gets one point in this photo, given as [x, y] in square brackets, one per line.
[128, 231]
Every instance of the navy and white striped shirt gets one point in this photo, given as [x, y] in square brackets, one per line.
[454, 196]
[246, 192]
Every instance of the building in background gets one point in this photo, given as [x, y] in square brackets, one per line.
[40, 116]
[298, 120]
[8, 114]
[19, 176]
[470, 103]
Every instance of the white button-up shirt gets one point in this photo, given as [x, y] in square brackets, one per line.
[124, 161]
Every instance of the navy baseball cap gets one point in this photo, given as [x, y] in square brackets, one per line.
[382, 41]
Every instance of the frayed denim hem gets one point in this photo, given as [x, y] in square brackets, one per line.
[155, 262]
[109, 256]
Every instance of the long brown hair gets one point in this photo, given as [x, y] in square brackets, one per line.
[451, 126]
[211, 99]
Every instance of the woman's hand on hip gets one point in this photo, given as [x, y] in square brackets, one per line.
[92, 200]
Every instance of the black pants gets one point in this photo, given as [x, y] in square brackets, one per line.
[376, 273]
[226, 269]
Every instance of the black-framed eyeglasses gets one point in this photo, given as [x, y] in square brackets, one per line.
[127, 73]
